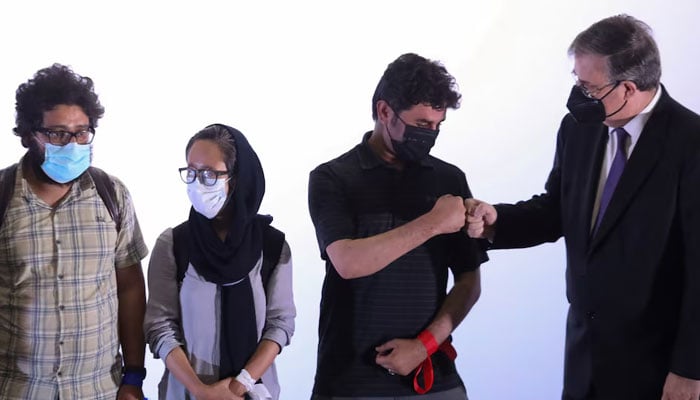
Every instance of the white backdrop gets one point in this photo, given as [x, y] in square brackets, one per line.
[297, 79]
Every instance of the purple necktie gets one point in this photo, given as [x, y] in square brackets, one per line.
[616, 168]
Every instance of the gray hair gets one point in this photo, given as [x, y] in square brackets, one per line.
[628, 46]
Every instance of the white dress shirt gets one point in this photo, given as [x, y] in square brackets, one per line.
[634, 129]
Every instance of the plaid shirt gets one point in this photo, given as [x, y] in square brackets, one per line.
[58, 292]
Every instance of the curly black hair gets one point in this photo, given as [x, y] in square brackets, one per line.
[410, 80]
[50, 87]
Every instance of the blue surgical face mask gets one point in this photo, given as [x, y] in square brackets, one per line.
[65, 163]
[207, 200]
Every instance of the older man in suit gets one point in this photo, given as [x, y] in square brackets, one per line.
[624, 192]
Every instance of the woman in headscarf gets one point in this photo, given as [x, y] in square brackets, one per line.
[220, 318]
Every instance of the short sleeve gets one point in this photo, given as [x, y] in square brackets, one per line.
[329, 208]
[466, 254]
[130, 247]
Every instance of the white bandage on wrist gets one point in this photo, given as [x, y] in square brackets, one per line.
[246, 380]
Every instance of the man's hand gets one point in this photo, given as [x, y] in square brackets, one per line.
[680, 388]
[448, 215]
[129, 392]
[481, 218]
[401, 356]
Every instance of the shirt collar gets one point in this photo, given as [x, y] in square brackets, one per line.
[368, 158]
[635, 126]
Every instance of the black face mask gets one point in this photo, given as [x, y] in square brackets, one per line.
[416, 143]
[587, 110]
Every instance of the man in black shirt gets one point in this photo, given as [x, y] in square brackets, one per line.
[388, 219]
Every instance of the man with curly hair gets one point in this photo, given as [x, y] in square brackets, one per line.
[71, 285]
[388, 217]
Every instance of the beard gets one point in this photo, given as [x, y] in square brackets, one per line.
[34, 158]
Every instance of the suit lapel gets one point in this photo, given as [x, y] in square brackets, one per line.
[593, 148]
[640, 164]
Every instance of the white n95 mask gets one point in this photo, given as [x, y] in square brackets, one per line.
[207, 200]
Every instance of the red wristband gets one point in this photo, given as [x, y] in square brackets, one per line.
[428, 340]
[426, 367]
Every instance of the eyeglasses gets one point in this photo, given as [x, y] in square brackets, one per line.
[593, 92]
[59, 137]
[207, 177]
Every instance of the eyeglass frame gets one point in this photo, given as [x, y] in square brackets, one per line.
[589, 92]
[198, 175]
[50, 133]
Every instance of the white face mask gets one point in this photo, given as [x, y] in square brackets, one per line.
[207, 200]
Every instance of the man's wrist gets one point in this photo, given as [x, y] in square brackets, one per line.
[429, 342]
[133, 375]
[431, 227]
[490, 233]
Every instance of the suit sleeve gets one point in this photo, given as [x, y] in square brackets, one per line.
[537, 220]
[686, 353]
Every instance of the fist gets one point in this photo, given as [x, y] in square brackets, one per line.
[481, 218]
[448, 214]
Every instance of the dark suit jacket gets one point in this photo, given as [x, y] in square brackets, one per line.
[634, 286]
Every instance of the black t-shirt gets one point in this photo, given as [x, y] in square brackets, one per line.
[358, 195]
